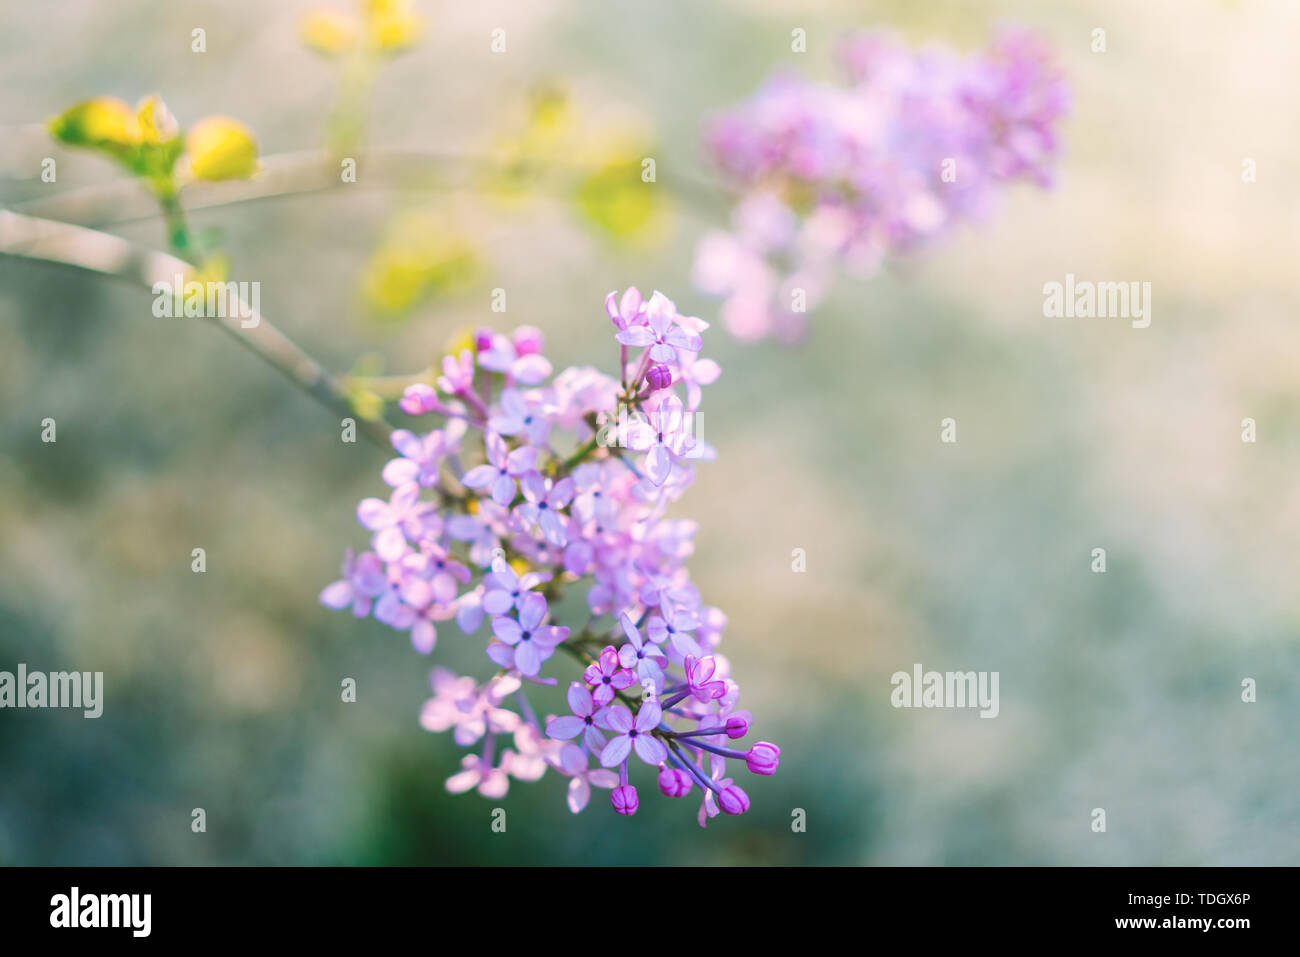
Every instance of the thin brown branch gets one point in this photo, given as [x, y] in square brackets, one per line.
[31, 237]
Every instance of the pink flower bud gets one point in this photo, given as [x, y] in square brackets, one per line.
[623, 798]
[674, 782]
[737, 727]
[483, 340]
[763, 758]
[418, 399]
[659, 376]
[733, 800]
[529, 341]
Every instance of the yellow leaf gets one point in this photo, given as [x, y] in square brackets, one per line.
[221, 148]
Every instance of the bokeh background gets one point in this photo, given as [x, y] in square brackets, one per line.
[1119, 691]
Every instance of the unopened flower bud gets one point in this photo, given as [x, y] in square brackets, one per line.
[658, 376]
[733, 800]
[737, 726]
[763, 758]
[623, 798]
[529, 341]
[674, 782]
[418, 399]
[483, 340]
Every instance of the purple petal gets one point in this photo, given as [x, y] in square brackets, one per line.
[650, 749]
[579, 698]
[532, 609]
[503, 490]
[615, 718]
[635, 336]
[507, 629]
[562, 729]
[616, 751]
[658, 463]
[479, 476]
[527, 659]
[648, 718]
[374, 514]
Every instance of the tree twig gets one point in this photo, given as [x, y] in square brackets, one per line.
[31, 237]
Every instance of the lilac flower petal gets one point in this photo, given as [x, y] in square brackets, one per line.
[532, 609]
[579, 698]
[337, 595]
[424, 636]
[579, 794]
[649, 716]
[616, 751]
[650, 749]
[503, 490]
[594, 740]
[480, 476]
[498, 601]
[658, 463]
[527, 658]
[566, 727]
[615, 718]
[503, 655]
[374, 514]
[507, 629]
[531, 369]
[636, 336]
[400, 472]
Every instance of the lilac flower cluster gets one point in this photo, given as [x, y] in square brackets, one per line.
[845, 176]
[489, 524]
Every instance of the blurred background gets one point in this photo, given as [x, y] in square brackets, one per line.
[1119, 690]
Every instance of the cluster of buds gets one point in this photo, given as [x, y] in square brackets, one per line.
[489, 524]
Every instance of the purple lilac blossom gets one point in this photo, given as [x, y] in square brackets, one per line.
[841, 177]
[528, 485]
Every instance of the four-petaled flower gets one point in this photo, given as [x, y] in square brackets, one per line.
[574, 762]
[699, 675]
[526, 641]
[633, 735]
[583, 721]
[641, 656]
[501, 470]
[661, 333]
[506, 590]
[663, 436]
[542, 506]
[363, 581]
[607, 676]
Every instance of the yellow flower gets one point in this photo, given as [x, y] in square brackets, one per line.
[392, 25]
[104, 123]
[222, 148]
[419, 258]
[327, 32]
[156, 124]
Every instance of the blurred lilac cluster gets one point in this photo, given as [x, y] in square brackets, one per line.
[843, 176]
